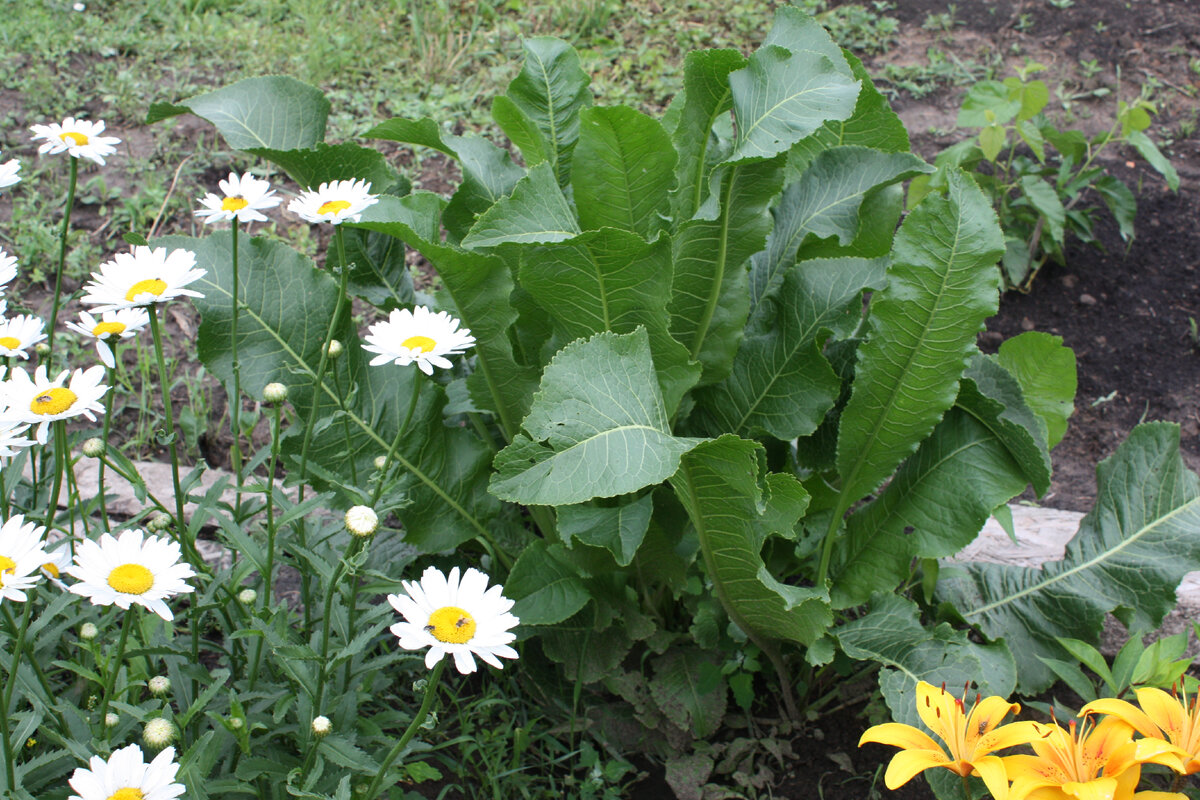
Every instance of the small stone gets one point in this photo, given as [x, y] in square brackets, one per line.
[1070, 280]
[1087, 300]
[1026, 324]
[1101, 340]
[991, 340]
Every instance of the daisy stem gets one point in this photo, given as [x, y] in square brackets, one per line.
[62, 252]
[235, 402]
[43, 681]
[431, 686]
[269, 578]
[60, 462]
[326, 620]
[14, 666]
[114, 665]
[391, 453]
[108, 411]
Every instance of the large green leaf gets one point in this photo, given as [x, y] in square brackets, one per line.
[706, 96]
[1045, 368]
[873, 124]
[1129, 555]
[891, 634]
[536, 212]
[275, 112]
[597, 427]
[488, 172]
[550, 91]
[783, 94]
[610, 280]
[683, 696]
[281, 329]
[941, 287]
[934, 506]
[825, 202]
[322, 163]
[710, 294]
[624, 171]
[620, 529]
[480, 286]
[781, 382]
[734, 507]
[546, 588]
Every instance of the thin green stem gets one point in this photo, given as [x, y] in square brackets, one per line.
[235, 401]
[269, 578]
[430, 690]
[6, 721]
[60, 461]
[43, 681]
[391, 453]
[114, 664]
[327, 619]
[108, 412]
[62, 252]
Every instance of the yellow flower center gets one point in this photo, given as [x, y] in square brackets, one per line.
[51, 568]
[152, 285]
[74, 137]
[7, 567]
[115, 328]
[131, 579]
[452, 625]
[333, 207]
[128, 793]
[234, 203]
[54, 400]
[11, 342]
[422, 344]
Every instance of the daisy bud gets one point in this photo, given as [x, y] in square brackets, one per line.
[275, 393]
[42, 349]
[111, 720]
[361, 521]
[335, 348]
[321, 726]
[159, 522]
[236, 723]
[158, 733]
[380, 462]
[159, 684]
[88, 631]
[94, 447]
[247, 596]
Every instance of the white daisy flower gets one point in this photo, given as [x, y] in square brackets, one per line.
[12, 438]
[462, 619]
[56, 561]
[8, 173]
[244, 198]
[142, 277]
[113, 325]
[334, 202]
[79, 138]
[22, 553]
[40, 401]
[127, 776]
[418, 335]
[8, 269]
[133, 568]
[20, 333]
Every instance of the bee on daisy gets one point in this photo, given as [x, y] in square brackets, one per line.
[128, 569]
[111, 327]
[79, 138]
[334, 202]
[22, 554]
[418, 336]
[142, 277]
[241, 200]
[460, 618]
[19, 334]
[125, 775]
[8, 173]
[40, 401]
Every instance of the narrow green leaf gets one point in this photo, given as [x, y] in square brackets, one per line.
[545, 587]
[1041, 196]
[710, 295]
[1045, 368]
[734, 507]
[610, 280]
[781, 382]
[942, 285]
[624, 171]
[551, 90]
[521, 130]
[1149, 151]
[597, 427]
[706, 97]
[619, 529]
[1120, 201]
[1131, 552]
[535, 213]
[275, 112]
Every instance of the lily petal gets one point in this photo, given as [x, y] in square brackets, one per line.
[995, 777]
[1121, 709]
[907, 764]
[1165, 710]
[899, 735]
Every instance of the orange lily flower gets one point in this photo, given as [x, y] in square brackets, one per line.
[970, 738]
[1162, 717]
[1085, 763]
